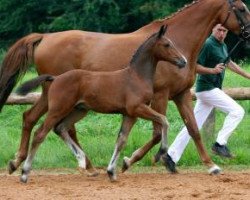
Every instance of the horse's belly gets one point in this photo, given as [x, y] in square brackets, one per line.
[105, 107]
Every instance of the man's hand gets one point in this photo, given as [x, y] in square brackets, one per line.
[206, 70]
[218, 68]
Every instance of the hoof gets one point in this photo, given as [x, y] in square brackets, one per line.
[215, 170]
[112, 175]
[126, 164]
[11, 167]
[158, 156]
[24, 178]
[169, 164]
[92, 173]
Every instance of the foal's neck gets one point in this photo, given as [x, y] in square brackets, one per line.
[144, 61]
[145, 65]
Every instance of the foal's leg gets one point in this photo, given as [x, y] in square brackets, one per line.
[58, 110]
[148, 113]
[127, 124]
[77, 151]
[39, 137]
[63, 130]
[159, 104]
[184, 105]
[89, 167]
[30, 118]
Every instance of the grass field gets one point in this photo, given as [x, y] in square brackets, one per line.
[98, 133]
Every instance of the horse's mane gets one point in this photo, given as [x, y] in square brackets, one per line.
[142, 46]
[137, 52]
[180, 10]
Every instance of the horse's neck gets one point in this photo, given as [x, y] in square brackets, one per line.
[189, 28]
[145, 65]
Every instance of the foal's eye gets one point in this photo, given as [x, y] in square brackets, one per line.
[166, 45]
[242, 9]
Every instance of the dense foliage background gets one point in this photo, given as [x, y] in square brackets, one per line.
[21, 17]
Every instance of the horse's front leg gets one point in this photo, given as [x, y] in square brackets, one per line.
[184, 105]
[148, 113]
[159, 104]
[127, 124]
[30, 118]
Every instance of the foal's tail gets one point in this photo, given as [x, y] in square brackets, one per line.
[16, 63]
[30, 85]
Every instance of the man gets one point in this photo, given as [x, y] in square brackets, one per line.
[209, 95]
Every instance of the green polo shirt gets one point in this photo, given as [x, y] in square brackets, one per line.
[212, 53]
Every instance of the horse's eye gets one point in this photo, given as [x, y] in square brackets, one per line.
[242, 9]
[166, 45]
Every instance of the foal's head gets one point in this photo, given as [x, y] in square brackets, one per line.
[164, 49]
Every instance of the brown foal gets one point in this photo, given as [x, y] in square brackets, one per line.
[128, 91]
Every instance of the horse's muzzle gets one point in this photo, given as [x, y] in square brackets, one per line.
[181, 63]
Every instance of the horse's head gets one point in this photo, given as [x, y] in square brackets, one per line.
[166, 50]
[236, 17]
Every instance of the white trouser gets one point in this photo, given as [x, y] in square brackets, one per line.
[206, 101]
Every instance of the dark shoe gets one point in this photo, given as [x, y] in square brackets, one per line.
[169, 163]
[221, 150]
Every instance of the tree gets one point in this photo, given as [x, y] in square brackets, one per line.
[25, 18]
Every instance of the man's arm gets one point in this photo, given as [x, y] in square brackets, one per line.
[205, 70]
[237, 69]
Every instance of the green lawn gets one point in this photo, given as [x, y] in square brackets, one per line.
[97, 134]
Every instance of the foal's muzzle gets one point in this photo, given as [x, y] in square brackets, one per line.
[181, 63]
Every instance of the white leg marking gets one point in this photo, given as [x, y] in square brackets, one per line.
[77, 151]
[214, 170]
[112, 163]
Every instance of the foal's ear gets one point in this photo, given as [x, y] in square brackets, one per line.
[162, 30]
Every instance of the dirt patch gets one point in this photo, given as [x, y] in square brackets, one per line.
[58, 184]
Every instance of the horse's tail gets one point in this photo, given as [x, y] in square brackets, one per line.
[16, 63]
[30, 85]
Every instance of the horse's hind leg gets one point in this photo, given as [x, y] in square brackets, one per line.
[77, 151]
[185, 108]
[65, 130]
[127, 124]
[39, 137]
[30, 118]
[89, 167]
[58, 110]
[148, 113]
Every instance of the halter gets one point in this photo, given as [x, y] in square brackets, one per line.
[243, 32]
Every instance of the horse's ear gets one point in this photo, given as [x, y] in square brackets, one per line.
[162, 31]
[165, 28]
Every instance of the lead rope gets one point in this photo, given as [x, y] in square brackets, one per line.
[227, 59]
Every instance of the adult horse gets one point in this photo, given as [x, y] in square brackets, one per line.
[56, 53]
